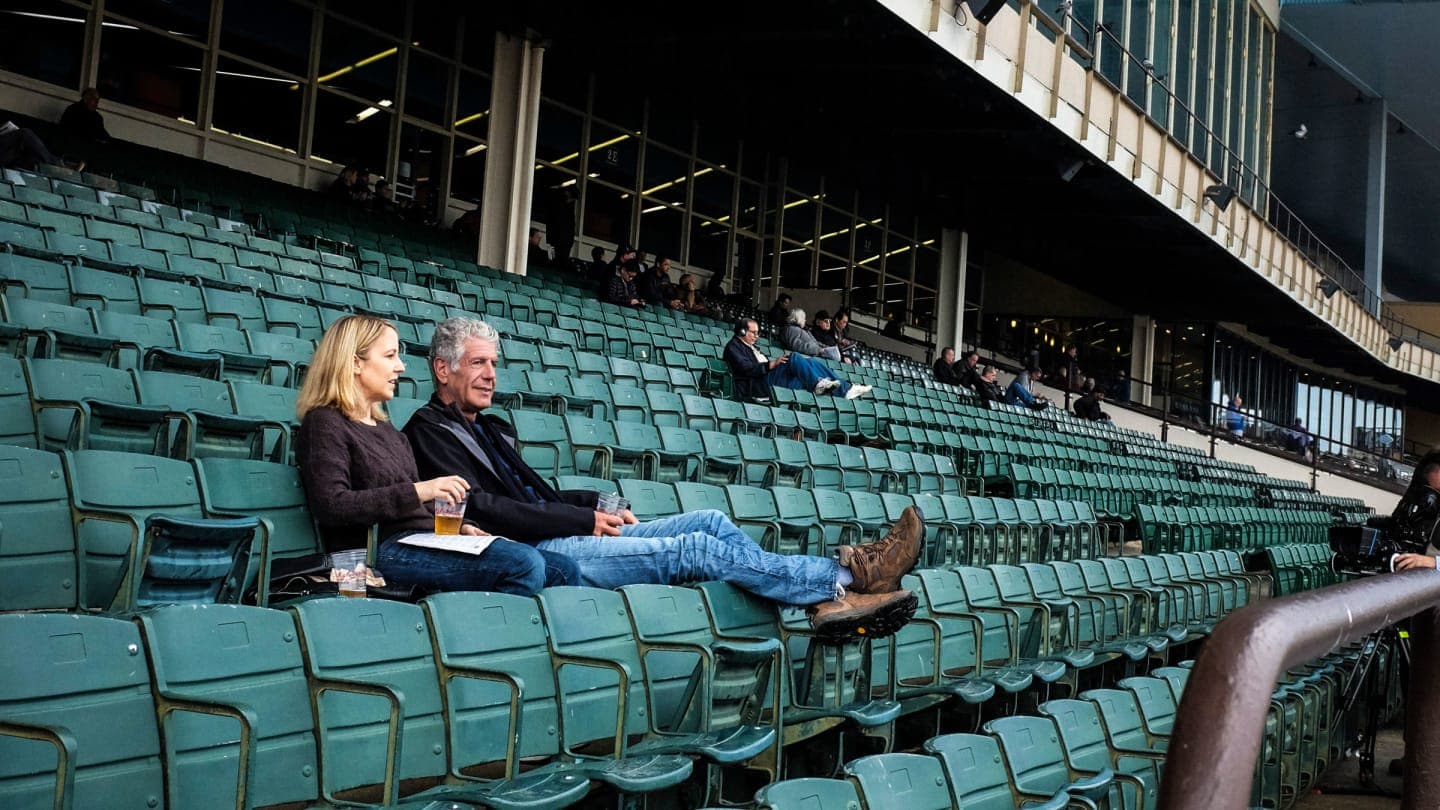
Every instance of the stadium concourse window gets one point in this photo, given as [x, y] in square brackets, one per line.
[427, 87]
[472, 111]
[275, 33]
[467, 170]
[44, 40]
[358, 62]
[422, 156]
[350, 132]
[796, 263]
[150, 70]
[607, 213]
[660, 228]
[257, 104]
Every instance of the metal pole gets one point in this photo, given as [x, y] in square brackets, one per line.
[1422, 771]
[1221, 723]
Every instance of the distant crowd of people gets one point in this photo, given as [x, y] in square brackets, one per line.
[354, 186]
[969, 372]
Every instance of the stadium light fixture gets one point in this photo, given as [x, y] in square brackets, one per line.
[1329, 287]
[1220, 194]
[1395, 344]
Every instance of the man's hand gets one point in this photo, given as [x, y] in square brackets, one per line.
[608, 525]
[472, 531]
[629, 517]
[1409, 562]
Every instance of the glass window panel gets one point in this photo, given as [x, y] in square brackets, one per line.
[619, 103]
[660, 228]
[387, 17]
[357, 61]
[433, 26]
[1111, 40]
[833, 271]
[427, 83]
[348, 132]
[1138, 39]
[558, 138]
[272, 32]
[717, 144]
[766, 266]
[802, 179]
[473, 115]
[927, 267]
[799, 217]
[1184, 71]
[835, 230]
[750, 211]
[480, 40]
[665, 174]
[707, 245]
[257, 105]
[613, 155]
[183, 18]
[1204, 30]
[669, 127]
[795, 262]
[1160, 58]
[43, 40]
[607, 213]
[713, 191]
[923, 308]
[1223, 38]
[1239, 77]
[864, 291]
[1257, 92]
[422, 155]
[150, 71]
[869, 238]
[467, 170]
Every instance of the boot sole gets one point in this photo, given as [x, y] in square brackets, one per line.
[880, 623]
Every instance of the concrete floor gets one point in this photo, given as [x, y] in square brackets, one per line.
[1340, 789]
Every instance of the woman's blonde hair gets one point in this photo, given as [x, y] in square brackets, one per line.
[330, 380]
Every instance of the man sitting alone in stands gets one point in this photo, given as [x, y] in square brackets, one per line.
[754, 374]
[1088, 406]
[856, 594]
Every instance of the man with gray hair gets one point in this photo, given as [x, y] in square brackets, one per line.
[798, 339]
[857, 593]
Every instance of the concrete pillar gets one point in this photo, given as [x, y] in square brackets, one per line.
[1375, 201]
[510, 159]
[950, 298]
[1142, 358]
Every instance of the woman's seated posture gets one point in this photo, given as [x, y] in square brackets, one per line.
[798, 339]
[359, 471]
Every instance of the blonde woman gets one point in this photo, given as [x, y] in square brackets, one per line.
[358, 471]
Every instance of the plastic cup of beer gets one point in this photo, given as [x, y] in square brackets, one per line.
[352, 582]
[448, 516]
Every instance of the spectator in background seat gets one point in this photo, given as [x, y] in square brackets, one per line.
[780, 313]
[1088, 406]
[969, 371]
[945, 367]
[688, 298]
[537, 256]
[848, 347]
[21, 148]
[796, 338]
[895, 327]
[82, 120]
[1022, 390]
[1074, 379]
[754, 374]
[654, 285]
[988, 387]
[1234, 417]
[351, 187]
[622, 286]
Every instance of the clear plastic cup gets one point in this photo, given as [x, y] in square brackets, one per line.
[612, 504]
[352, 582]
[449, 515]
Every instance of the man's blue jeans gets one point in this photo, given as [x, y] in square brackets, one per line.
[801, 373]
[505, 567]
[695, 547]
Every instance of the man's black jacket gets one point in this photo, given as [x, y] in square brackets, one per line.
[747, 373]
[444, 444]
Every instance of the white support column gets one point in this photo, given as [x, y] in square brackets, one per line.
[950, 298]
[1142, 358]
[1375, 201]
[510, 159]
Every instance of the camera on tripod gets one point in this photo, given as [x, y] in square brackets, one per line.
[1370, 549]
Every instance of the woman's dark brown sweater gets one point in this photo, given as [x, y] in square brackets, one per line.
[357, 475]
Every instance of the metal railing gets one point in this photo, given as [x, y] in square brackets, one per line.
[1221, 724]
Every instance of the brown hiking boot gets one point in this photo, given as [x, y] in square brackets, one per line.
[863, 615]
[878, 567]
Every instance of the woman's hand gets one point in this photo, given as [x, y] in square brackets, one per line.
[450, 488]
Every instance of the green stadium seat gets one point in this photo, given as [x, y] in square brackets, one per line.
[978, 777]
[901, 782]
[77, 727]
[37, 555]
[809, 792]
[649, 499]
[85, 405]
[1036, 760]
[1088, 748]
[34, 278]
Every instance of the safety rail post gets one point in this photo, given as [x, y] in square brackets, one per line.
[1221, 722]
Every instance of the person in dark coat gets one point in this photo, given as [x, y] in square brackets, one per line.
[945, 367]
[82, 120]
[780, 313]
